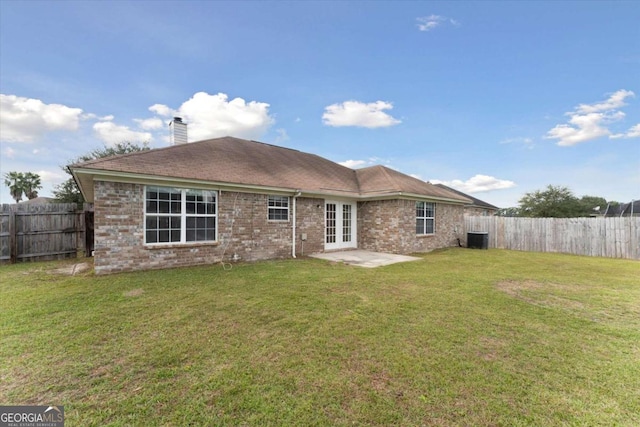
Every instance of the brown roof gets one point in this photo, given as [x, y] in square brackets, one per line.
[380, 180]
[236, 162]
[474, 201]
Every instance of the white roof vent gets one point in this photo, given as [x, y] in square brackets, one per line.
[178, 130]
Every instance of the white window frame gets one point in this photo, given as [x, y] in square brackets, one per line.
[426, 218]
[272, 206]
[183, 215]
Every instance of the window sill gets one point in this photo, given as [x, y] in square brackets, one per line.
[422, 236]
[179, 245]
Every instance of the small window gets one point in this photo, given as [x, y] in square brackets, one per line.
[425, 218]
[278, 208]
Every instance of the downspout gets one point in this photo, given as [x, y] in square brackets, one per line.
[293, 228]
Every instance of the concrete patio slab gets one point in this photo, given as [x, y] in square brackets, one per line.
[364, 258]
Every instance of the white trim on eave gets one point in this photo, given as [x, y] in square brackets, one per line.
[133, 178]
[128, 177]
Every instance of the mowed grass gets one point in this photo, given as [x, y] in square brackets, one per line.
[461, 337]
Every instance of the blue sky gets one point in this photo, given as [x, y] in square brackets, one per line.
[494, 98]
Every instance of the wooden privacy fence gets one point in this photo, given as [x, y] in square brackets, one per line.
[43, 232]
[605, 237]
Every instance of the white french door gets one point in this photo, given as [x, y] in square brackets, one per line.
[340, 225]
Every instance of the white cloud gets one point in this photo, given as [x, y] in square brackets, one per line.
[49, 177]
[355, 113]
[477, 184]
[112, 133]
[633, 132]
[91, 116]
[210, 116]
[161, 110]
[590, 121]
[523, 141]
[153, 123]
[8, 152]
[428, 23]
[356, 164]
[282, 135]
[581, 128]
[615, 101]
[353, 164]
[26, 119]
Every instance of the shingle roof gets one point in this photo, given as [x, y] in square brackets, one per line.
[624, 209]
[475, 201]
[380, 180]
[236, 161]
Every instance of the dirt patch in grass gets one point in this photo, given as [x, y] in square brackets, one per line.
[490, 348]
[542, 294]
[134, 293]
[592, 302]
[73, 269]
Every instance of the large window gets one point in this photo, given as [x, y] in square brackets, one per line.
[278, 208]
[174, 215]
[425, 218]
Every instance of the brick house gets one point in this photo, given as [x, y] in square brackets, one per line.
[229, 199]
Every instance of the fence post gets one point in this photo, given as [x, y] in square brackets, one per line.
[13, 238]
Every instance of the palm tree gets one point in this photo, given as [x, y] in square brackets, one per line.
[15, 182]
[31, 184]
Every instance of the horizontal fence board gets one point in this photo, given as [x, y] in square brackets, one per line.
[48, 254]
[617, 237]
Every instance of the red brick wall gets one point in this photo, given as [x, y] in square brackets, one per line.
[310, 214]
[244, 232]
[390, 226]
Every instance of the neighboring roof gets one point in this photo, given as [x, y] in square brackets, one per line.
[623, 209]
[237, 162]
[38, 200]
[474, 201]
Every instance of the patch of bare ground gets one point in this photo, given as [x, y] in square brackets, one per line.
[490, 348]
[134, 293]
[541, 294]
[74, 269]
[584, 301]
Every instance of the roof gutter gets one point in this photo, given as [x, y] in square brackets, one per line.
[414, 196]
[293, 220]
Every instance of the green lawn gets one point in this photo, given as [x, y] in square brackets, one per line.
[461, 337]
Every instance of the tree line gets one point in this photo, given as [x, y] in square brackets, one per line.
[556, 202]
[68, 191]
